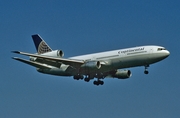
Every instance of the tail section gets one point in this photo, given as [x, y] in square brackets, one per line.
[41, 45]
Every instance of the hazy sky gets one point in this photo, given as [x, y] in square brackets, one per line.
[87, 26]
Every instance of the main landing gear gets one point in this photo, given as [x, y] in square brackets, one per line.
[87, 78]
[146, 69]
[98, 82]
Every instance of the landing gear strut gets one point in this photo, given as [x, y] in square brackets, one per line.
[88, 78]
[146, 69]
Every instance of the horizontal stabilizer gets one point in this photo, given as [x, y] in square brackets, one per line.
[17, 52]
[35, 64]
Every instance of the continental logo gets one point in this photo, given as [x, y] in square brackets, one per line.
[43, 48]
[132, 50]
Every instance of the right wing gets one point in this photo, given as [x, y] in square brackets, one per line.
[71, 62]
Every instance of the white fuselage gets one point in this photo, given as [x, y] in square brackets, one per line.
[117, 59]
[129, 57]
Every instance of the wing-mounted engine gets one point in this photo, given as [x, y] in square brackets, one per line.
[94, 65]
[55, 53]
[121, 74]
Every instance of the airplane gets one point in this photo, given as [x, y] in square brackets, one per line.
[109, 64]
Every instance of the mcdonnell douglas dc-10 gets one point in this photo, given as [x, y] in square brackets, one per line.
[109, 64]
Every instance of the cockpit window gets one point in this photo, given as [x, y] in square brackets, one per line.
[159, 49]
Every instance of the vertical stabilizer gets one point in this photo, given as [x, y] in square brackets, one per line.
[41, 45]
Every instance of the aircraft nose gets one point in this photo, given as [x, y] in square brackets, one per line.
[167, 53]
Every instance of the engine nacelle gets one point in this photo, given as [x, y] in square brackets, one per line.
[55, 53]
[92, 65]
[122, 74]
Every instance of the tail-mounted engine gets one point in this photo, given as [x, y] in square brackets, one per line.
[55, 53]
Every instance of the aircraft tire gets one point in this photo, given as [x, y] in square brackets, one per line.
[86, 79]
[98, 83]
[146, 72]
[101, 82]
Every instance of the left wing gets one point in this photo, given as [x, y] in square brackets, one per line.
[71, 62]
[35, 64]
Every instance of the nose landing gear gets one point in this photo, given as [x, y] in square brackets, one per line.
[146, 69]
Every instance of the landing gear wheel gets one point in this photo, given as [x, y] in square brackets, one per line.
[101, 82]
[146, 72]
[86, 79]
[98, 82]
[78, 77]
[95, 83]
